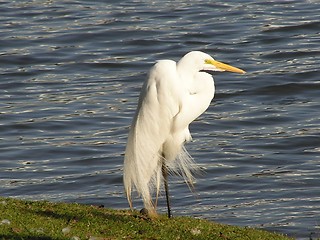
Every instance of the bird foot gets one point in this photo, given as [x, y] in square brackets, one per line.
[149, 213]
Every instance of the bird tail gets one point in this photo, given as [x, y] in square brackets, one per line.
[141, 171]
[183, 166]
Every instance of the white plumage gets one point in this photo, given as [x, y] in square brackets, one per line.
[173, 96]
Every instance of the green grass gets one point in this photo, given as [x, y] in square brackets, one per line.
[46, 220]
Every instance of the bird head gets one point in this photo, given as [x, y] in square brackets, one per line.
[204, 62]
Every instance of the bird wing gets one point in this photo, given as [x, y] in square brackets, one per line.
[158, 104]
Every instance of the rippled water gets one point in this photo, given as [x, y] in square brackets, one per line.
[71, 72]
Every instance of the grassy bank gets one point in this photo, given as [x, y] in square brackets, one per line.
[45, 220]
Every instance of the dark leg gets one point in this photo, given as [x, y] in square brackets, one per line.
[165, 180]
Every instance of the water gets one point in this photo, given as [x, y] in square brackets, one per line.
[71, 72]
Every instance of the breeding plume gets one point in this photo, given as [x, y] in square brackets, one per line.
[173, 95]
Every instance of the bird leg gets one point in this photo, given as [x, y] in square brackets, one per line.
[165, 180]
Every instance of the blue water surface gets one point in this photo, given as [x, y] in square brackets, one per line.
[71, 72]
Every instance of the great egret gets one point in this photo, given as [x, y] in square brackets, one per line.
[173, 95]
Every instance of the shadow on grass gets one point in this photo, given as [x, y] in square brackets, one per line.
[81, 212]
[93, 212]
[18, 237]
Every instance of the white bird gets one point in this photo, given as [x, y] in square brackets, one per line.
[173, 95]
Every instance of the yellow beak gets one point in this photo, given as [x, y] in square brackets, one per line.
[224, 67]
